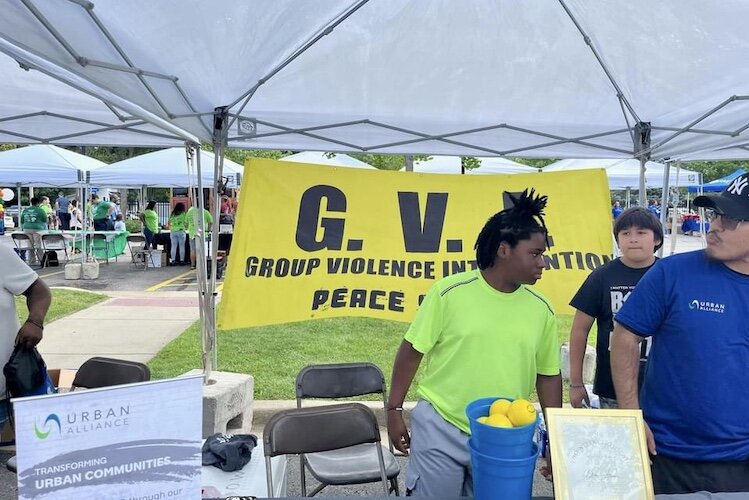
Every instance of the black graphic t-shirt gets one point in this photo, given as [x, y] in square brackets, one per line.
[601, 296]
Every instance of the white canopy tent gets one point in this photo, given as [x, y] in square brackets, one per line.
[163, 168]
[319, 158]
[452, 165]
[36, 108]
[44, 165]
[625, 174]
[336, 75]
[565, 79]
[491, 166]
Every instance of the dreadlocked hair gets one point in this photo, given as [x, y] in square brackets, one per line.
[523, 218]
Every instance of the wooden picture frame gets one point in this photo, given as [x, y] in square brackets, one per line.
[599, 454]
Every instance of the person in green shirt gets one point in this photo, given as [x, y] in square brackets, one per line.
[483, 333]
[47, 207]
[150, 220]
[100, 213]
[177, 235]
[34, 219]
[192, 230]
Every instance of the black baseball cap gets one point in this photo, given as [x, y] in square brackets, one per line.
[733, 201]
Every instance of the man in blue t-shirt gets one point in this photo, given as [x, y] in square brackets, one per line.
[694, 394]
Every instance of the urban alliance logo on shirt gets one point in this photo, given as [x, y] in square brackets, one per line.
[706, 305]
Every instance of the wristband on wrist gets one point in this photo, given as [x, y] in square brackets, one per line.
[38, 325]
[395, 408]
[576, 386]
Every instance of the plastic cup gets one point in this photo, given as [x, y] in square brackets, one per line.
[499, 442]
[503, 478]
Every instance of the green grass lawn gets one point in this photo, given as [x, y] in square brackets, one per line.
[64, 303]
[275, 354]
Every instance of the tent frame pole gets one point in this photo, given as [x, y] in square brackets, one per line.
[664, 203]
[202, 278]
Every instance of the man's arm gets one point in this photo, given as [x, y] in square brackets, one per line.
[625, 366]
[581, 325]
[38, 299]
[625, 369]
[404, 369]
[549, 389]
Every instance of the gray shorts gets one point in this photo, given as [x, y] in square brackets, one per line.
[608, 403]
[439, 463]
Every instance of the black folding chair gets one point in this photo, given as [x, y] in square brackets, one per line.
[105, 372]
[345, 466]
[320, 429]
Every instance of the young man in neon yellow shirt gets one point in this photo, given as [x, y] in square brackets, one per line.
[484, 333]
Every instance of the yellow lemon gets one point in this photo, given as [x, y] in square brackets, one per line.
[482, 420]
[521, 412]
[499, 406]
[498, 420]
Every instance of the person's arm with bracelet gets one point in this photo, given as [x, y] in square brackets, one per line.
[404, 369]
[625, 369]
[581, 325]
[38, 300]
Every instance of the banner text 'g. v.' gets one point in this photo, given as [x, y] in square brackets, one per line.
[320, 242]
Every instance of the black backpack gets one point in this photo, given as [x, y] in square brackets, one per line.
[25, 372]
[49, 259]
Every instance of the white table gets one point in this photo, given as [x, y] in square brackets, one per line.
[249, 480]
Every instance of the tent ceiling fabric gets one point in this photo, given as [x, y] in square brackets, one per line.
[504, 77]
[44, 165]
[36, 108]
[163, 168]
[625, 173]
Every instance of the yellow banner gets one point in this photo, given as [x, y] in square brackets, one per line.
[319, 242]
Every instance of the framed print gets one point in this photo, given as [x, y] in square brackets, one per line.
[599, 454]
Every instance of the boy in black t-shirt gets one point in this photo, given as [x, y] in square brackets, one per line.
[638, 234]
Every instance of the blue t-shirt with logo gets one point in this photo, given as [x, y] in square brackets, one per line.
[696, 385]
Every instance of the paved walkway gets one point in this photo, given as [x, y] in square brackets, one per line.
[129, 325]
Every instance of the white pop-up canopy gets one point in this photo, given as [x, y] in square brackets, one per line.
[491, 166]
[452, 165]
[625, 174]
[560, 79]
[163, 168]
[564, 79]
[45, 165]
[36, 108]
[319, 158]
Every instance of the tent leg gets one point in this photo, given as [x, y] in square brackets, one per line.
[202, 277]
[220, 123]
[673, 223]
[664, 203]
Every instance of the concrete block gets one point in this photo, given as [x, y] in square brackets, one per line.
[589, 363]
[227, 403]
[72, 271]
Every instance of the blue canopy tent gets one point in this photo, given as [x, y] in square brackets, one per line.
[717, 184]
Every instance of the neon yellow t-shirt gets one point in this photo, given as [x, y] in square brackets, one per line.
[479, 342]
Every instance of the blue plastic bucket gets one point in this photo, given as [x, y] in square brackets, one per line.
[501, 478]
[499, 442]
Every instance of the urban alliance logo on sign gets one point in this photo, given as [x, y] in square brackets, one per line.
[707, 306]
[46, 429]
[81, 422]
